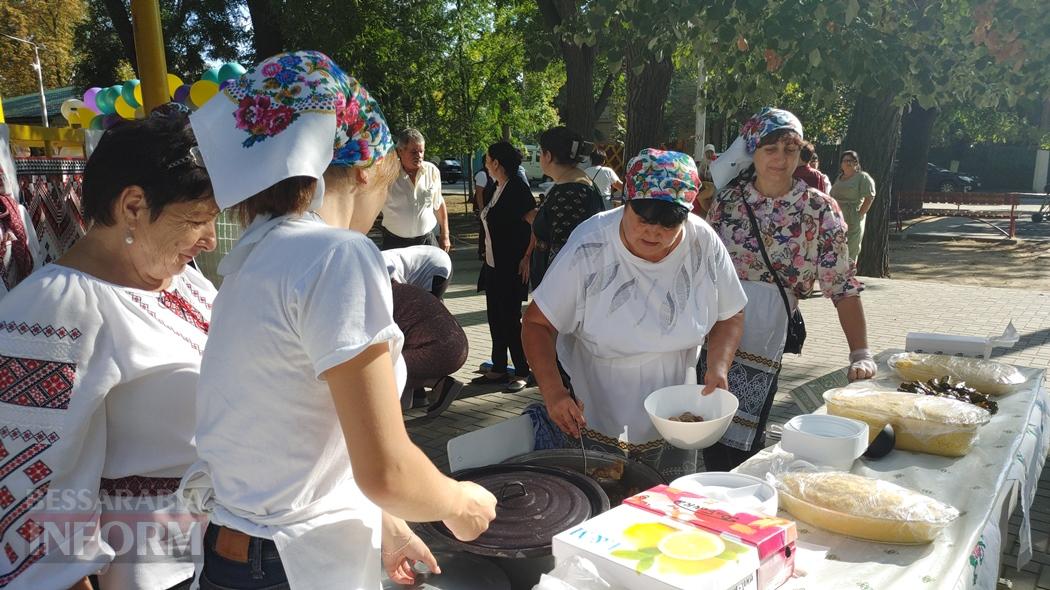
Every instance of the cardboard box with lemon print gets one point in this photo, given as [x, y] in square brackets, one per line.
[636, 550]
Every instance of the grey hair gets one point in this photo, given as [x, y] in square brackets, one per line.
[408, 136]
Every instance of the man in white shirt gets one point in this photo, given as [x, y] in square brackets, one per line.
[415, 209]
[603, 177]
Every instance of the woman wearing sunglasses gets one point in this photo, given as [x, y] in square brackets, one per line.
[624, 307]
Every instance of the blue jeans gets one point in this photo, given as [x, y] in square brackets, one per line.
[262, 571]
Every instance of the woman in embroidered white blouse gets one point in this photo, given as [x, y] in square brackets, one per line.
[99, 358]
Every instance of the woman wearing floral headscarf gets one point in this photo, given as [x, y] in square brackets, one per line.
[804, 237]
[305, 465]
[625, 305]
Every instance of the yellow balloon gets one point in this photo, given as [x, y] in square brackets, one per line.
[123, 108]
[173, 84]
[202, 91]
[138, 94]
[74, 119]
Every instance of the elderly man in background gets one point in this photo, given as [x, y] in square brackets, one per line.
[415, 208]
[703, 167]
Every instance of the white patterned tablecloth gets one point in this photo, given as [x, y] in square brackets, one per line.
[1007, 457]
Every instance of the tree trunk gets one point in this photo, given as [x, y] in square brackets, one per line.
[874, 131]
[916, 131]
[648, 83]
[578, 111]
[118, 15]
[267, 38]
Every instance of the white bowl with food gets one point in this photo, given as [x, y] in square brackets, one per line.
[674, 410]
[831, 441]
[738, 489]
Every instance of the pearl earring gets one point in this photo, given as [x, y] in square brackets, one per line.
[129, 239]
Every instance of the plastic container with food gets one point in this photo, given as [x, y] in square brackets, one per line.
[921, 423]
[862, 507]
[988, 377]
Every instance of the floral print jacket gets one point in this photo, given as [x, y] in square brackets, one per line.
[803, 232]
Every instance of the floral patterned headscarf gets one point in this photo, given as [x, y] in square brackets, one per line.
[740, 155]
[293, 114]
[662, 175]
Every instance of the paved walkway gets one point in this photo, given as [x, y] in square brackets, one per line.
[893, 308]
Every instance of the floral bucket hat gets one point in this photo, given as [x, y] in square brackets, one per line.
[741, 154]
[294, 114]
[664, 176]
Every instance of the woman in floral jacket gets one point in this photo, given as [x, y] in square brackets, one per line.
[804, 238]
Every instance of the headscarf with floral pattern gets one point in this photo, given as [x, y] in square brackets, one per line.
[740, 155]
[662, 175]
[293, 114]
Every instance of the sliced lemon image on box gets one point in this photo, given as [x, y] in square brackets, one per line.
[691, 545]
[647, 534]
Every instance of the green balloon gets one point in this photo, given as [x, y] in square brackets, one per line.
[211, 74]
[230, 71]
[96, 122]
[105, 101]
[128, 92]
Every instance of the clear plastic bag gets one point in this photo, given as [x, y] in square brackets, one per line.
[988, 377]
[862, 507]
[921, 423]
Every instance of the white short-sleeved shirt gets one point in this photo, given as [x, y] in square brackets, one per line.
[603, 178]
[626, 326]
[417, 265]
[97, 388]
[409, 208]
[306, 298]
[481, 180]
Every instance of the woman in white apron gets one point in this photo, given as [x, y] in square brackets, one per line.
[803, 237]
[625, 305]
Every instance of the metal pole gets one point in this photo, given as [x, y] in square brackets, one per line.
[40, 80]
[39, 75]
[149, 47]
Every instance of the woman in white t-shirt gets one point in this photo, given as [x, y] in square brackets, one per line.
[603, 177]
[625, 309]
[305, 465]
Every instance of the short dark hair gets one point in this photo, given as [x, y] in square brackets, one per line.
[150, 153]
[598, 157]
[789, 136]
[851, 154]
[565, 146]
[508, 156]
[657, 212]
[808, 152]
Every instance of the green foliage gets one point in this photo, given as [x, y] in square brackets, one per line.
[50, 23]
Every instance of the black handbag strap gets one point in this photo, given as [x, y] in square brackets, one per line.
[761, 248]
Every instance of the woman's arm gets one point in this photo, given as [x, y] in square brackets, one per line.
[390, 470]
[722, 343]
[851, 318]
[866, 204]
[538, 338]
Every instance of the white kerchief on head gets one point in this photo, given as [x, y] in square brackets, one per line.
[740, 155]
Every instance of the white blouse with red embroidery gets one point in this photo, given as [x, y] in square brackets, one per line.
[97, 390]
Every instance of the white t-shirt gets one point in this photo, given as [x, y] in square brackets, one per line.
[417, 265]
[409, 208]
[626, 326]
[481, 180]
[298, 298]
[603, 178]
[97, 384]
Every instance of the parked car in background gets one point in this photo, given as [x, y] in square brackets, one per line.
[451, 170]
[940, 180]
[530, 161]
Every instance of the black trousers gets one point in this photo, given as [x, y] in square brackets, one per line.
[503, 308]
[392, 240]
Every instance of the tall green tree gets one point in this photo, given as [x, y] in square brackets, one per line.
[50, 23]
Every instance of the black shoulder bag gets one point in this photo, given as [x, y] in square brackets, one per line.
[796, 328]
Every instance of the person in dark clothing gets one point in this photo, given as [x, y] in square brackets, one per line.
[507, 219]
[572, 200]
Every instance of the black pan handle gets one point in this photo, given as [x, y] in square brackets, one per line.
[504, 491]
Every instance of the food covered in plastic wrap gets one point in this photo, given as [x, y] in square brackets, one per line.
[863, 507]
[924, 424]
[986, 376]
